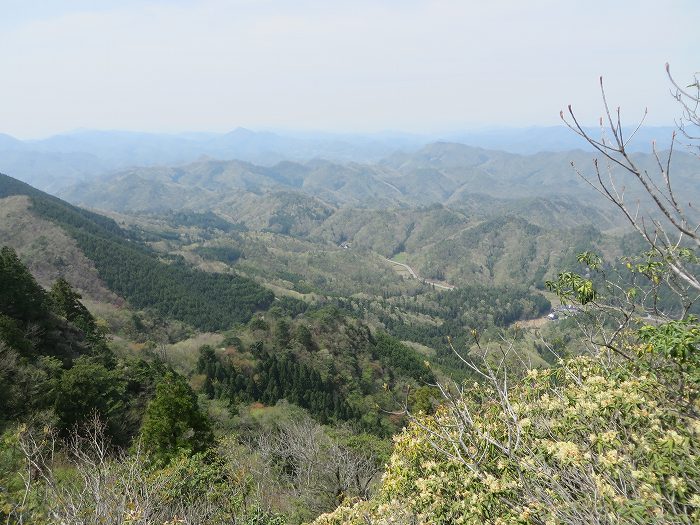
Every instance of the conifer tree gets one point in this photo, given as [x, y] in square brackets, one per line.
[173, 423]
[21, 296]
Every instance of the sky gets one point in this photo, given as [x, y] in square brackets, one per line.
[343, 66]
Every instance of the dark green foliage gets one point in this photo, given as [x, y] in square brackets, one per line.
[206, 301]
[282, 335]
[139, 378]
[290, 306]
[224, 254]
[424, 399]
[13, 336]
[365, 373]
[27, 387]
[302, 335]
[55, 359]
[501, 305]
[327, 315]
[87, 387]
[258, 323]
[231, 339]
[66, 303]
[484, 308]
[173, 423]
[398, 356]
[284, 378]
[21, 297]
[27, 324]
[117, 394]
[274, 378]
[207, 360]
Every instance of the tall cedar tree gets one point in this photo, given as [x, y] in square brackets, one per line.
[174, 424]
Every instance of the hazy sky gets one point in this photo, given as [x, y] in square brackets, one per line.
[419, 66]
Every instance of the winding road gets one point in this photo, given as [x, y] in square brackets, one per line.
[416, 276]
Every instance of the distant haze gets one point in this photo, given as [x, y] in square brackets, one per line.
[350, 66]
[63, 160]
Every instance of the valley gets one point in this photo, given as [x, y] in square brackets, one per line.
[349, 263]
[300, 295]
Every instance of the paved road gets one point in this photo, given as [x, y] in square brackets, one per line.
[410, 270]
[416, 276]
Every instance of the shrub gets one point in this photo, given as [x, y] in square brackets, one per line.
[588, 442]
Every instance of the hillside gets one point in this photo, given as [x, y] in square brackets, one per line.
[296, 394]
[384, 209]
[349, 263]
[323, 374]
[48, 250]
[131, 270]
[59, 161]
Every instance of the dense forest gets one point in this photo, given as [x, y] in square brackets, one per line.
[130, 269]
[288, 411]
[274, 378]
[474, 307]
[61, 380]
[57, 364]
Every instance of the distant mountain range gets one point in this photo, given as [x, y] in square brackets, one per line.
[446, 173]
[62, 160]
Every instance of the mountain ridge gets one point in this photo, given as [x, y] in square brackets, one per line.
[445, 173]
[59, 160]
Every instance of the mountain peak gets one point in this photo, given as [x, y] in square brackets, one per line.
[241, 132]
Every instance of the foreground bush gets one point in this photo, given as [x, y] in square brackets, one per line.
[83, 481]
[594, 441]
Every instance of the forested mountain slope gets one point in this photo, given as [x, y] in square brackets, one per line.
[131, 270]
[61, 381]
[57, 366]
[48, 250]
